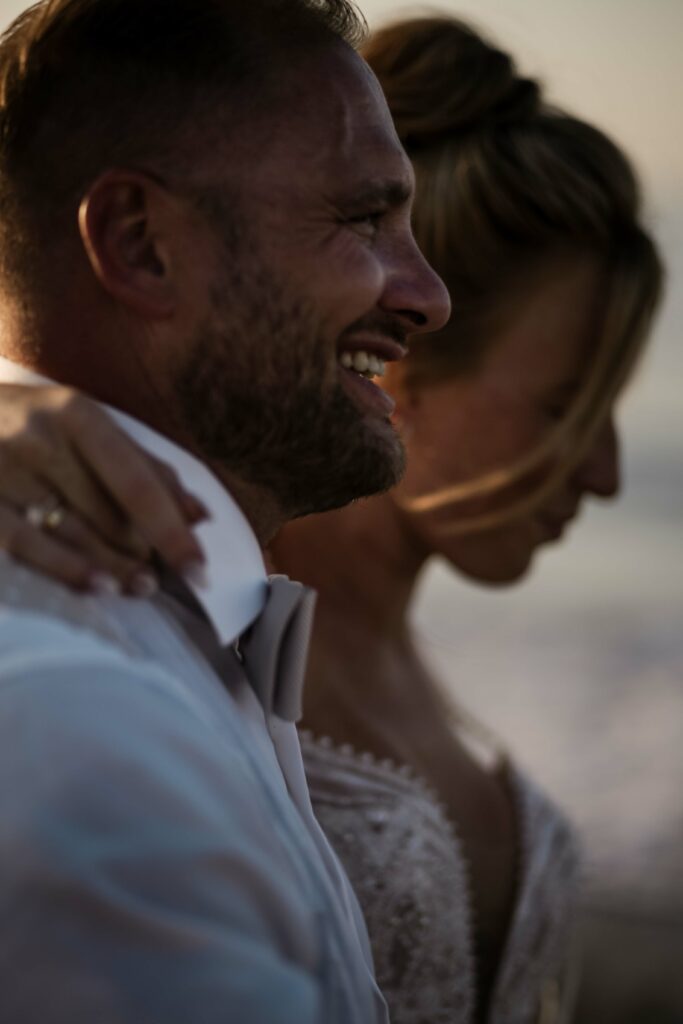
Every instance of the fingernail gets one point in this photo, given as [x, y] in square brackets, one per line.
[198, 507]
[105, 585]
[143, 584]
[196, 574]
[195, 516]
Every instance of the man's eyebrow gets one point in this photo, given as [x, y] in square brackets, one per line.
[389, 192]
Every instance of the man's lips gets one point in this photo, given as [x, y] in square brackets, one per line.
[385, 348]
[368, 395]
[362, 357]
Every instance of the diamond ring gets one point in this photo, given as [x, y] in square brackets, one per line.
[46, 515]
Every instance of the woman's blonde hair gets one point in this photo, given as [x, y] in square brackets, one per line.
[506, 182]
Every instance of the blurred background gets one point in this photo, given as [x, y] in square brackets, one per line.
[580, 670]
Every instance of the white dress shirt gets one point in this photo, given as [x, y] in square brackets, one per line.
[159, 859]
[236, 584]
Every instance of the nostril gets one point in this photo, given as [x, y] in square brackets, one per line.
[417, 319]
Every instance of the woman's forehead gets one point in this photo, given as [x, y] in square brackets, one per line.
[551, 331]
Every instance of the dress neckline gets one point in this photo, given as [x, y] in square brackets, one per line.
[535, 817]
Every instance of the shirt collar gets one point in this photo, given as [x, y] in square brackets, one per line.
[235, 592]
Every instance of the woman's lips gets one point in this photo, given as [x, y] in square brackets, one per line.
[554, 526]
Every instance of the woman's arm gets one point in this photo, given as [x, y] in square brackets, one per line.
[114, 503]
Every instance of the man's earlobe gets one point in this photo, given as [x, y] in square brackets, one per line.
[123, 223]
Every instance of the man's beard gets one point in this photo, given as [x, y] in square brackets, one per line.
[262, 398]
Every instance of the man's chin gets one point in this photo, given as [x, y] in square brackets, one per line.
[370, 470]
[389, 452]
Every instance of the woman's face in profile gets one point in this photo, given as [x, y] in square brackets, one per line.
[463, 427]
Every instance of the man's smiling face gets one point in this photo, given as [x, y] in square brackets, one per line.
[319, 281]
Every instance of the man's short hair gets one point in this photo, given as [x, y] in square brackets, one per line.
[91, 84]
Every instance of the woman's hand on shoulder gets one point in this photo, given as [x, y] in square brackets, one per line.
[83, 503]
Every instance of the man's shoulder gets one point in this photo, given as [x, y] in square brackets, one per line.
[39, 616]
[35, 610]
[74, 680]
[60, 649]
[76, 709]
[75, 700]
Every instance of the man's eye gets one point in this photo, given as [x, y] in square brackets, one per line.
[366, 223]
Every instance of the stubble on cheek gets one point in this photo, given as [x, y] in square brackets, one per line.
[261, 395]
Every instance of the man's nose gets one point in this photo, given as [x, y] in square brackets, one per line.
[599, 472]
[416, 294]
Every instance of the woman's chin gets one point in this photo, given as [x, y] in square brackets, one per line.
[494, 565]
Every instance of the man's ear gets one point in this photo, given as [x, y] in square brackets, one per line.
[126, 222]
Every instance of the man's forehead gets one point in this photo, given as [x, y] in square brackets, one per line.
[342, 117]
[353, 100]
[327, 136]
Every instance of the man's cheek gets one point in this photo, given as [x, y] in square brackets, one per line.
[356, 287]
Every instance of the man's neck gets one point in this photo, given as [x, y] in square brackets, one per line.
[80, 352]
[264, 514]
[137, 395]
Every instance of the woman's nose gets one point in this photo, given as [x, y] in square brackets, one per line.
[599, 472]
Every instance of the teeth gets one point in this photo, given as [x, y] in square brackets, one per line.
[361, 362]
[365, 363]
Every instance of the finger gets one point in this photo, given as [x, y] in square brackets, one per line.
[127, 473]
[33, 470]
[22, 489]
[194, 510]
[42, 552]
[132, 576]
[73, 479]
[35, 442]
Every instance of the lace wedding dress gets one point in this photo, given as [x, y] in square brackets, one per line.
[406, 863]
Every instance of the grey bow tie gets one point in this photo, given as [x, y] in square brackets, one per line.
[275, 648]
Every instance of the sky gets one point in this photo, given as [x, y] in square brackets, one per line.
[615, 61]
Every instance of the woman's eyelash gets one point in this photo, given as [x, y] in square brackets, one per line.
[556, 410]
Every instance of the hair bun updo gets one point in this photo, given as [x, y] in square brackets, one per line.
[510, 189]
[442, 79]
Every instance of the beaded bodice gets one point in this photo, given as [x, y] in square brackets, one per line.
[406, 863]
